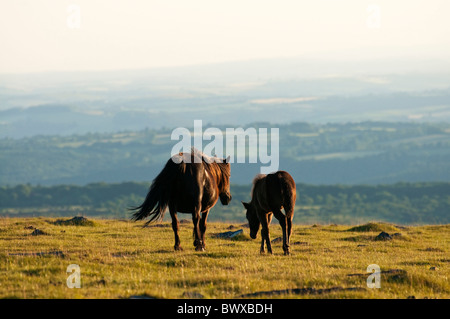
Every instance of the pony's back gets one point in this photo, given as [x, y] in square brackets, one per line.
[280, 190]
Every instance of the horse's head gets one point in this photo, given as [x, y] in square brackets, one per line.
[252, 218]
[225, 198]
[225, 195]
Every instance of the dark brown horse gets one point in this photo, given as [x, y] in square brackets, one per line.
[270, 193]
[189, 183]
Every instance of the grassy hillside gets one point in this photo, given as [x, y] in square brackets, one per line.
[121, 259]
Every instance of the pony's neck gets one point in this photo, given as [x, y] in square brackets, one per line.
[221, 178]
[257, 187]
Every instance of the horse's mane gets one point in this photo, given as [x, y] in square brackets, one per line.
[215, 166]
[256, 180]
[221, 170]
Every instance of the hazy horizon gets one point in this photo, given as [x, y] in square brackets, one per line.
[81, 35]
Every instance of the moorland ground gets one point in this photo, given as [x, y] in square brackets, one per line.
[122, 259]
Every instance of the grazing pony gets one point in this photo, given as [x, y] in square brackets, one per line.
[270, 194]
[190, 183]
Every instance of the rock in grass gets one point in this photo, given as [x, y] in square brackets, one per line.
[76, 221]
[37, 232]
[434, 268]
[383, 236]
[277, 240]
[229, 234]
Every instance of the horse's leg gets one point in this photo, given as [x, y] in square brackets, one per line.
[263, 246]
[263, 239]
[262, 217]
[269, 244]
[283, 223]
[203, 227]
[289, 216]
[175, 227]
[197, 234]
[196, 222]
[265, 222]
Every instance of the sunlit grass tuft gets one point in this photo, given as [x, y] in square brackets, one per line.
[374, 227]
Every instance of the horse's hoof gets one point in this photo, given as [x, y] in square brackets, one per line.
[178, 248]
[197, 243]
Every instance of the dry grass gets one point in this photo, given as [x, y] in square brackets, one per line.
[119, 259]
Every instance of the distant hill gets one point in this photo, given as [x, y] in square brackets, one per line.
[238, 93]
[352, 153]
[279, 102]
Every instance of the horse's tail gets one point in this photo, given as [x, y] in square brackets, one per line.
[157, 199]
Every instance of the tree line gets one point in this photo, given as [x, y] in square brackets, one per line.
[402, 203]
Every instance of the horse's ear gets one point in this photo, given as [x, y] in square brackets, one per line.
[227, 160]
[246, 205]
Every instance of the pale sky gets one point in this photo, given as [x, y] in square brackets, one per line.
[35, 35]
